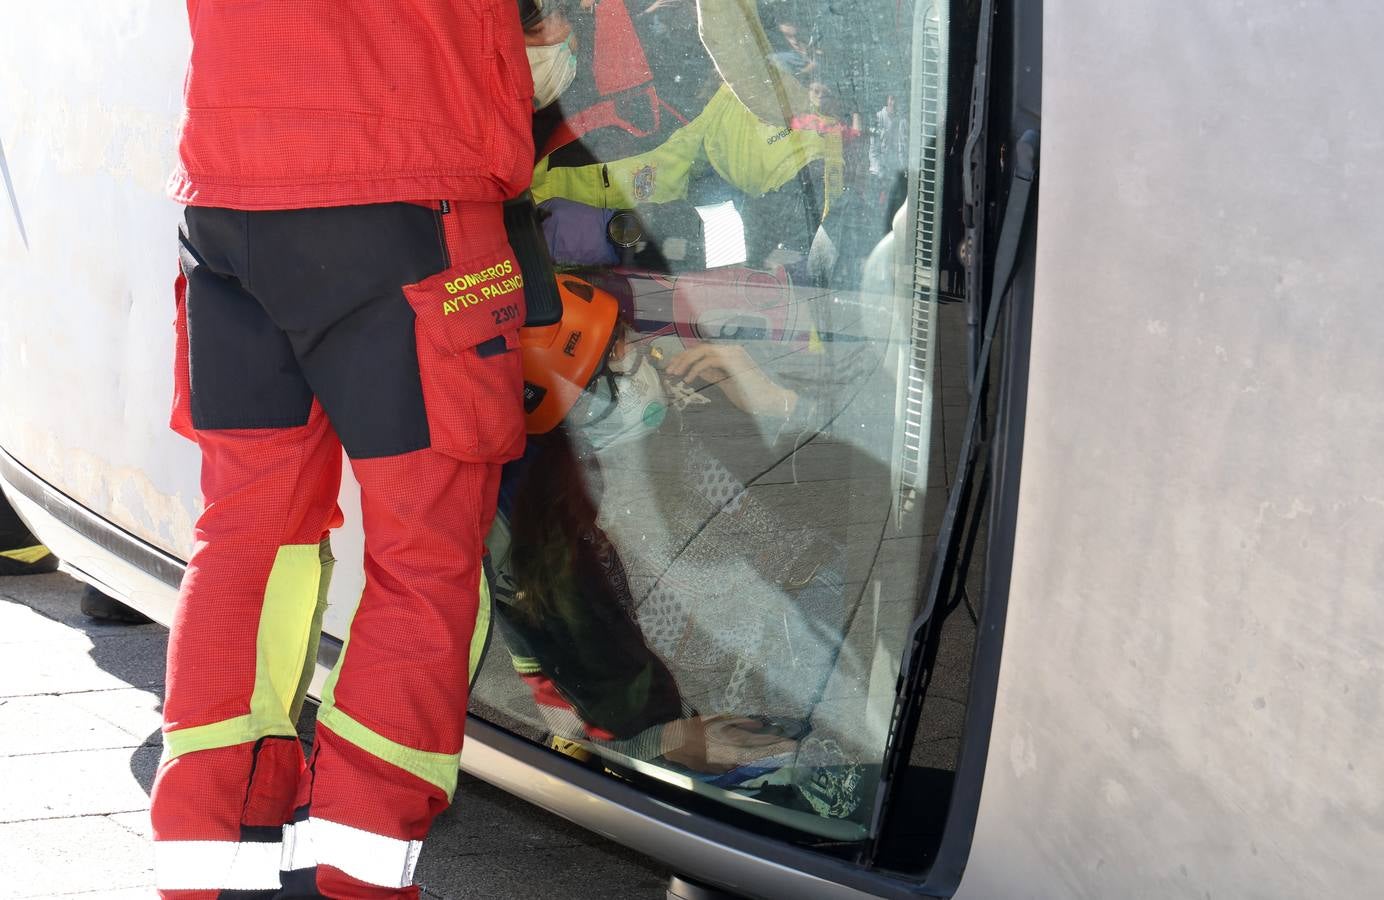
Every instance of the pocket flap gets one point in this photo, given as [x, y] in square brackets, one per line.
[470, 304]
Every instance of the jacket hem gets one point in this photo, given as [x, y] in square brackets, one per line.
[192, 190]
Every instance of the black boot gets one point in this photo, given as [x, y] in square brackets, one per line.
[31, 559]
[99, 606]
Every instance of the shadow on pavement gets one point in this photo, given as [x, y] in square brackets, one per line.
[487, 844]
[137, 655]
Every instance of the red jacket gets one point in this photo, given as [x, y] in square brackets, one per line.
[302, 103]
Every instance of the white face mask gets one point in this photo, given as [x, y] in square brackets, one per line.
[554, 67]
[638, 407]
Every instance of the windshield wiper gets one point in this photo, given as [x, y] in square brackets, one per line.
[973, 190]
[917, 662]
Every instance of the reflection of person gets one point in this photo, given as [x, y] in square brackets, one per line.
[700, 573]
[888, 144]
[346, 282]
[563, 603]
[700, 553]
[659, 130]
[549, 45]
[792, 49]
[761, 161]
[730, 367]
[822, 115]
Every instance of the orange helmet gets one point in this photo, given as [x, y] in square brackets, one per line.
[562, 359]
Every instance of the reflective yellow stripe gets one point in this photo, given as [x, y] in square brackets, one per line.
[226, 733]
[26, 555]
[478, 635]
[525, 665]
[285, 623]
[438, 769]
[285, 632]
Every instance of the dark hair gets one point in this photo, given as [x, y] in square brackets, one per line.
[554, 514]
[572, 601]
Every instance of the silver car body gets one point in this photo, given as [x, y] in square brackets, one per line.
[1191, 695]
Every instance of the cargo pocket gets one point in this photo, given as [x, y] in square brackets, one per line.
[467, 331]
[180, 419]
[512, 74]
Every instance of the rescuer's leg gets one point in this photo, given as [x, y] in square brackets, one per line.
[242, 632]
[408, 338]
[248, 606]
[389, 730]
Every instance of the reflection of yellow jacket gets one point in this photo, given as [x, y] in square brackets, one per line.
[752, 156]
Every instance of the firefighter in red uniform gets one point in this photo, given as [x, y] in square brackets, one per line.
[346, 282]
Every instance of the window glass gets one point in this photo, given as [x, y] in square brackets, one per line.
[931, 753]
[704, 567]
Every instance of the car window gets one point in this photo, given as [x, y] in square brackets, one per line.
[704, 575]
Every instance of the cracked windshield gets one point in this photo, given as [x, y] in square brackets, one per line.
[705, 564]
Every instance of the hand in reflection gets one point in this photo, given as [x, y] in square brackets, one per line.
[553, 28]
[718, 744]
[744, 383]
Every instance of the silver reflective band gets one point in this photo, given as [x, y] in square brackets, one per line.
[365, 856]
[216, 865]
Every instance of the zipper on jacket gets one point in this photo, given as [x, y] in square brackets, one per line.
[444, 207]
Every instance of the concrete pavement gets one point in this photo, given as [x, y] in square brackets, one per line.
[79, 742]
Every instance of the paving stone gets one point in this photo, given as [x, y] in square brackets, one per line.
[91, 855]
[137, 823]
[138, 658]
[106, 664]
[70, 684]
[484, 819]
[31, 668]
[573, 873]
[78, 783]
[58, 597]
[53, 723]
[135, 711]
[21, 625]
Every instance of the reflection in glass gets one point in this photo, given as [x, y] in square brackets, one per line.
[703, 567]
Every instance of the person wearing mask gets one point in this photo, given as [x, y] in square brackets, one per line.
[611, 668]
[563, 604]
[345, 282]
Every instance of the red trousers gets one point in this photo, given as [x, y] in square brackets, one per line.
[236, 807]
